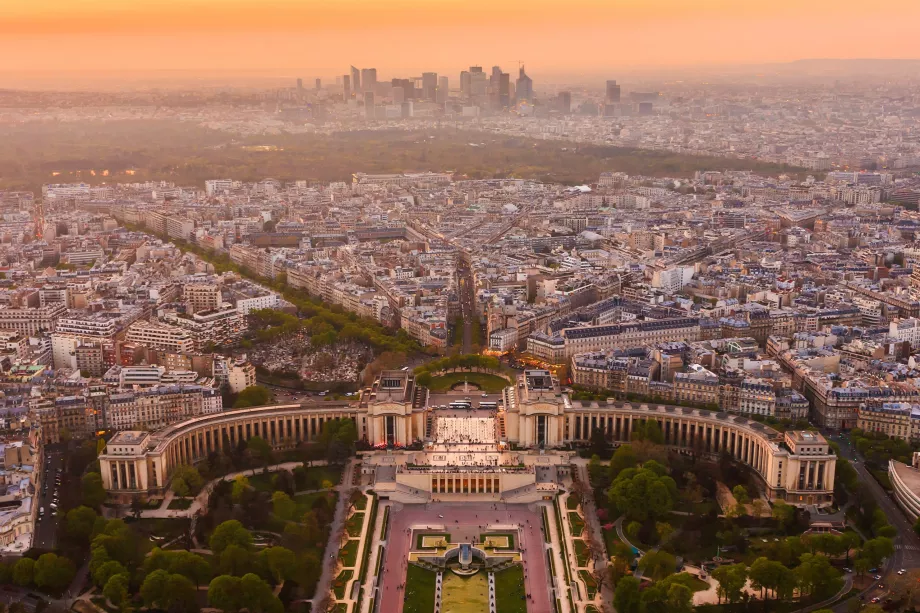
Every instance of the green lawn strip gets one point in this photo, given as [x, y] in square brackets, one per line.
[565, 549]
[591, 609]
[552, 563]
[419, 537]
[546, 538]
[590, 583]
[581, 552]
[341, 582]
[571, 601]
[354, 524]
[365, 555]
[491, 384]
[571, 503]
[610, 538]
[419, 591]
[576, 523]
[305, 501]
[340, 607]
[380, 552]
[386, 524]
[508, 535]
[348, 554]
[361, 504]
[179, 504]
[510, 595]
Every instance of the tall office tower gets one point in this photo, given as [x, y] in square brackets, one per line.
[475, 69]
[429, 86]
[465, 81]
[613, 92]
[369, 79]
[479, 84]
[443, 90]
[524, 87]
[299, 83]
[346, 87]
[504, 90]
[564, 102]
[408, 87]
[319, 84]
[368, 104]
[399, 94]
[355, 79]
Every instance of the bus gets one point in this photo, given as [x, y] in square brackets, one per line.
[460, 404]
[488, 405]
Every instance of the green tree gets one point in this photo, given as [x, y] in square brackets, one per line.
[228, 533]
[281, 563]
[93, 490]
[626, 598]
[877, 549]
[24, 571]
[224, 593]
[252, 396]
[169, 592]
[642, 493]
[53, 572]
[116, 590]
[257, 596]
[658, 564]
[283, 506]
[815, 575]
[624, 457]
[106, 571]
[235, 560]
[191, 477]
[79, 522]
[260, 450]
[741, 494]
[732, 579]
[239, 488]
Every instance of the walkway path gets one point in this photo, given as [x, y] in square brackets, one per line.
[200, 502]
[555, 548]
[330, 566]
[371, 580]
[593, 525]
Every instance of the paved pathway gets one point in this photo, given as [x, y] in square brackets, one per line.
[331, 565]
[371, 580]
[593, 524]
[532, 546]
[555, 549]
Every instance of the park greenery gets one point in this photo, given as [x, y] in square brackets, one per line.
[189, 154]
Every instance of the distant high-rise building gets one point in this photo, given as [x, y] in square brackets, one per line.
[613, 92]
[369, 79]
[346, 86]
[399, 94]
[408, 87]
[504, 90]
[465, 82]
[524, 87]
[429, 86]
[319, 84]
[406, 109]
[355, 79]
[443, 90]
[475, 69]
[368, 104]
[299, 83]
[564, 102]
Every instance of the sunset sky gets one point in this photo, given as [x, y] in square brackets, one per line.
[321, 38]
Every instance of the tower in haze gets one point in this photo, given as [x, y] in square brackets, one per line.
[429, 86]
[346, 87]
[369, 109]
[369, 79]
[355, 79]
[524, 87]
[465, 84]
[613, 92]
[299, 83]
[564, 102]
[319, 84]
[443, 90]
[504, 90]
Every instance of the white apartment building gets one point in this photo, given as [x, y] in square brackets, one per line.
[240, 375]
[160, 336]
[906, 330]
[201, 296]
[31, 321]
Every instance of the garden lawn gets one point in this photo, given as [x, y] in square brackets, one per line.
[465, 594]
[315, 476]
[590, 583]
[422, 538]
[510, 596]
[419, 590]
[354, 524]
[491, 384]
[497, 540]
[581, 552]
[349, 553]
[180, 504]
[577, 523]
[341, 582]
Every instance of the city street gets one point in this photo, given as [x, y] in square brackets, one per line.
[906, 543]
[46, 526]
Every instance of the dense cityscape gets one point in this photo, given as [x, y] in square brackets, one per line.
[543, 347]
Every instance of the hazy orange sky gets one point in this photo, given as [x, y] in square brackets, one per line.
[321, 38]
